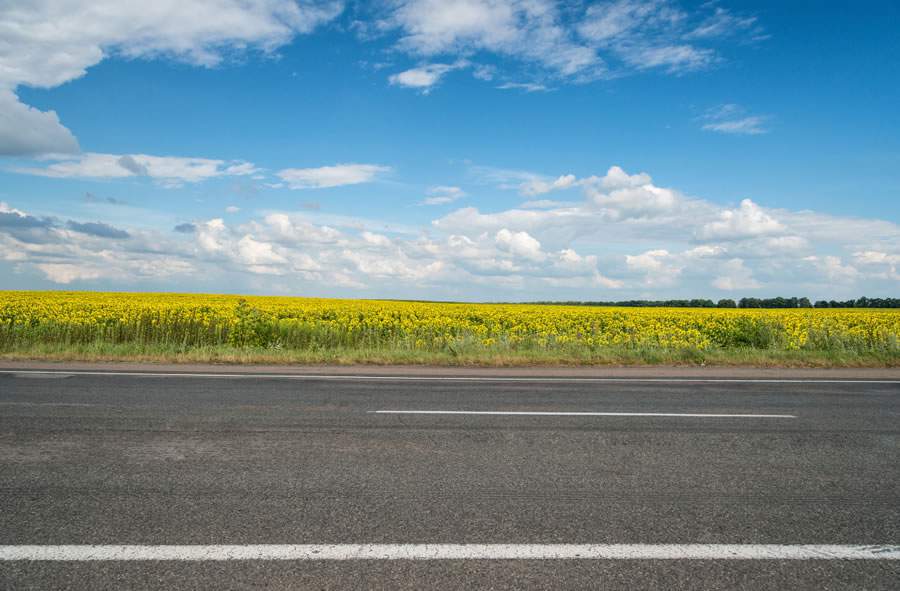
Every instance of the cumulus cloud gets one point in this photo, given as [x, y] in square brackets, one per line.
[65, 273]
[880, 265]
[872, 257]
[330, 176]
[259, 257]
[212, 235]
[628, 233]
[621, 196]
[296, 229]
[616, 194]
[545, 204]
[520, 244]
[539, 186]
[621, 209]
[26, 131]
[747, 221]
[200, 32]
[658, 267]
[375, 239]
[834, 268]
[735, 277]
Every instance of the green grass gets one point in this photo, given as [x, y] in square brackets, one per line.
[748, 356]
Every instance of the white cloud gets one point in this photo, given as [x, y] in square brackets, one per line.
[747, 221]
[232, 209]
[485, 72]
[623, 196]
[5, 208]
[871, 257]
[660, 34]
[650, 261]
[658, 267]
[743, 126]
[520, 244]
[330, 176]
[170, 171]
[722, 23]
[836, 270]
[705, 251]
[373, 265]
[211, 235]
[375, 239]
[65, 273]
[469, 219]
[786, 243]
[545, 204]
[46, 43]
[616, 178]
[674, 58]
[580, 271]
[259, 257]
[436, 26]
[880, 265]
[736, 276]
[526, 86]
[25, 130]
[424, 77]
[504, 178]
[531, 31]
[573, 250]
[609, 21]
[540, 186]
[617, 194]
[199, 32]
[443, 194]
[244, 169]
[732, 119]
[297, 230]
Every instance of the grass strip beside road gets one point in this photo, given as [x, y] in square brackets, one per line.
[223, 354]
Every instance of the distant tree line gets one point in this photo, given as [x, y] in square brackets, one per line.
[863, 302]
[778, 302]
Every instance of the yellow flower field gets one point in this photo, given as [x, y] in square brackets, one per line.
[185, 321]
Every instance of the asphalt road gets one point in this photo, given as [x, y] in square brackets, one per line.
[151, 460]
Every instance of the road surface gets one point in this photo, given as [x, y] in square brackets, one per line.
[134, 480]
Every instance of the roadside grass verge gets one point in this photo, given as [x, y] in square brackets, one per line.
[225, 354]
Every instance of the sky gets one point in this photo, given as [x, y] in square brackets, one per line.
[474, 150]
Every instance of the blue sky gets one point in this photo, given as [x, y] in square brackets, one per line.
[461, 149]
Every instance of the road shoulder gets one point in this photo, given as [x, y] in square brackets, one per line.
[636, 372]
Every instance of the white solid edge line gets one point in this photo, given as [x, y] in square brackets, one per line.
[580, 414]
[437, 378]
[453, 552]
